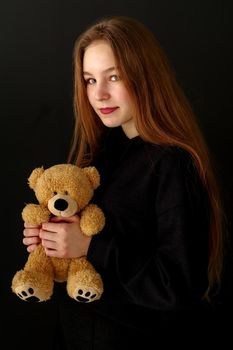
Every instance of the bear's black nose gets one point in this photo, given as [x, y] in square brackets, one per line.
[60, 204]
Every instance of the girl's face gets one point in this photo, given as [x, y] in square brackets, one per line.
[106, 91]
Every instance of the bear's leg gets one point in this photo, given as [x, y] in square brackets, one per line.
[84, 284]
[35, 282]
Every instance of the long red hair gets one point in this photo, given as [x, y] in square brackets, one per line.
[162, 113]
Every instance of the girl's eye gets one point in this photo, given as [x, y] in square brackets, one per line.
[114, 77]
[90, 81]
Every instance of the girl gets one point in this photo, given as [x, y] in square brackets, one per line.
[160, 252]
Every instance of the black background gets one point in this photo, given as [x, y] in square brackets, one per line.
[36, 86]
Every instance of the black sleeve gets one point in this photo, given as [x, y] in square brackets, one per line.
[169, 270]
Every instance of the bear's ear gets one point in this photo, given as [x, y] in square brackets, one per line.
[35, 175]
[93, 175]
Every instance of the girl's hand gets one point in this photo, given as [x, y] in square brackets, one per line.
[63, 238]
[31, 237]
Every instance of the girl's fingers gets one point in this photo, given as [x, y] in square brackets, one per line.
[73, 218]
[31, 232]
[26, 225]
[31, 240]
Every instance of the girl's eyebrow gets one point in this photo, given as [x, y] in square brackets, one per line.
[110, 69]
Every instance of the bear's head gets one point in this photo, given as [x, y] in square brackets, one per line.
[65, 189]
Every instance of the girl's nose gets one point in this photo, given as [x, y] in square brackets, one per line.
[101, 92]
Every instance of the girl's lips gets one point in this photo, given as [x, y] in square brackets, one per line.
[107, 110]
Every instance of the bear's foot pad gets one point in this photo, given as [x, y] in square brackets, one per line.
[84, 294]
[27, 295]
[85, 297]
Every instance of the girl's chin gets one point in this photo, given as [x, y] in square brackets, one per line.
[110, 123]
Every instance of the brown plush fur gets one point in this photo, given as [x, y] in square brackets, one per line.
[61, 190]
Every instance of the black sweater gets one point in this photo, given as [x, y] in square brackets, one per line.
[152, 253]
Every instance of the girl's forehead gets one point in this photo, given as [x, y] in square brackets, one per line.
[98, 55]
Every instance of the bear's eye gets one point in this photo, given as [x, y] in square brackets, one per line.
[66, 192]
[54, 193]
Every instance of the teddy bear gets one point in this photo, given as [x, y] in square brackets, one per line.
[61, 190]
